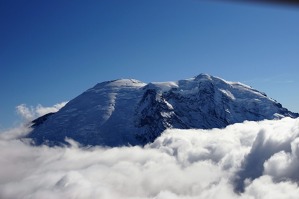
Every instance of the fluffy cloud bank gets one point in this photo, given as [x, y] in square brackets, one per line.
[247, 161]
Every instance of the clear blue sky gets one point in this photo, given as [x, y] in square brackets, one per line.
[51, 51]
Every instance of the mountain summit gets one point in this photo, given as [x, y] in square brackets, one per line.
[130, 112]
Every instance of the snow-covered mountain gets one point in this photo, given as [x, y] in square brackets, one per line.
[130, 112]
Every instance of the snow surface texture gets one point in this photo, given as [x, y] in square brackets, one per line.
[129, 112]
[187, 164]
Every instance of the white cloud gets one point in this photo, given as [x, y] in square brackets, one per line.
[30, 113]
[265, 188]
[284, 165]
[25, 112]
[15, 133]
[185, 164]
[41, 110]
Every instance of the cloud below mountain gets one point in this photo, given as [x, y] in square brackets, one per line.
[248, 160]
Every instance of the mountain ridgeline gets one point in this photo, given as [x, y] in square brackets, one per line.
[130, 112]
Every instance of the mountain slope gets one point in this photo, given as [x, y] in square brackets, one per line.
[127, 111]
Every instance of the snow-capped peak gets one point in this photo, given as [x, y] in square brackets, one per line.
[128, 111]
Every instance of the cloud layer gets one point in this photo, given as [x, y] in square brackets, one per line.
[246, 161]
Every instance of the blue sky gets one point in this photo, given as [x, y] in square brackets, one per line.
[51, 51]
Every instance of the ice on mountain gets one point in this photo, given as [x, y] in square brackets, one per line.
[128, 111]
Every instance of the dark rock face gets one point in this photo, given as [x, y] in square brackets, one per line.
[127, 111]
[40, 120]
[154, 115]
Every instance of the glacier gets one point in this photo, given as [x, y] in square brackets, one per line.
[129, 112]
